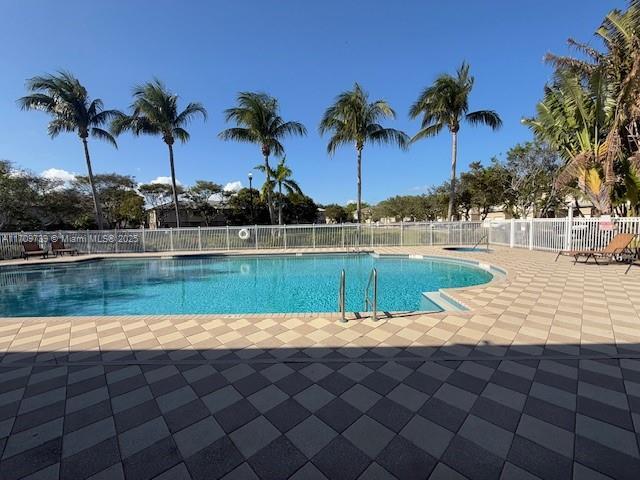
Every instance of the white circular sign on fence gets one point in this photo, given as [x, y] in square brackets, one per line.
[244, 234]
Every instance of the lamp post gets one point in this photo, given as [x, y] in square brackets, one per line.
[251, 194]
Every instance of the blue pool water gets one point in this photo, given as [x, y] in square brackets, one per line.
[243, 284]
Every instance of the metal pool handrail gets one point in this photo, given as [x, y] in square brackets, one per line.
[485, 238]
[341, 296]
[373, 278]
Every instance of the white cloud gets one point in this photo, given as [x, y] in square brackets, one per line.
[233, 186]
[58, 174]
[165, 181]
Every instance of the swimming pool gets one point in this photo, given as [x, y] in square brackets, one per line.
[226, 284]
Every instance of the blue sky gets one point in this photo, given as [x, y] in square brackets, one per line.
[302, 52]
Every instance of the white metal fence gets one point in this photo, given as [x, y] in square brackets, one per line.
[539, 234]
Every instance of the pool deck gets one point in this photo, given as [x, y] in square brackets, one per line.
[539, 379]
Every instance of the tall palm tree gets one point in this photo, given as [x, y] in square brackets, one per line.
[446, 103]
[258, 121]
[64, 98]
[154, 111]
[352, 119]
[280, 177]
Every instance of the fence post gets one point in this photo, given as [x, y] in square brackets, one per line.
[285, 236]
[512, 235]
[115, 238]
[144, 245]
[88, 242]
[343, 235]
[228, 246]
[402, 233]
[371, 233]
[430, 225]
[568, 227]
[313, 234]
[199, 239]
[531, 224]
[460, 228]
[256, 230]
[171, 237]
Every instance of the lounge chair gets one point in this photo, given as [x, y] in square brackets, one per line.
[31, 249]
[58, 248]
[617, 246]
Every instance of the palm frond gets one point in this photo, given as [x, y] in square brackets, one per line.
[37, 101]
[101, 134]
[238, 134]
[485, 117]
[189, 112]
[181, 134]
[390, 136]
[430, 131]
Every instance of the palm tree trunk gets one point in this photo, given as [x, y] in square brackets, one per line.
[94, 192]
[454, 159]
[272, 213]
[173, 185]
[359, 201]
[280, 203]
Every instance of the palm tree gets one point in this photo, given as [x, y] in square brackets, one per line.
[155, 112]
[619, 67]
[282, 177]
[574, 118]
[64, 98]
[258, 121]
[446, 103]
[352, 119]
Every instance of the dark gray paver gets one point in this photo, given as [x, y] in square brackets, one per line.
[323, 419]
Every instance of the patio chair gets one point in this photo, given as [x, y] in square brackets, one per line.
[617, 246]
[31, 249]
[58, 248]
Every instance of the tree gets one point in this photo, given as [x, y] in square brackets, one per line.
[573, 118]
[207, 198]
[64, 98]
[280, 177]
[531, 170]
[336, 213]
[446, 103]
[400, 207]
[17, 195]
[619, 68]
[351, 209]
[483, 188]
[123, 206]
[258, 121]
[242, 203]
[299, 208]
[158, 197]
[352, 119]
[155, 112]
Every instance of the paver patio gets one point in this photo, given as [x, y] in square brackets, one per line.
[540, 379]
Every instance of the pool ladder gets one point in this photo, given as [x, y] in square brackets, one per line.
[372, 302]
[369, 300]
[484, 238]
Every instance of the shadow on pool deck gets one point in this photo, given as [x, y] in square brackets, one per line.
[497, 412]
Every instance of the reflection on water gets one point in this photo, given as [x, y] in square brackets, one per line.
[266, 284]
